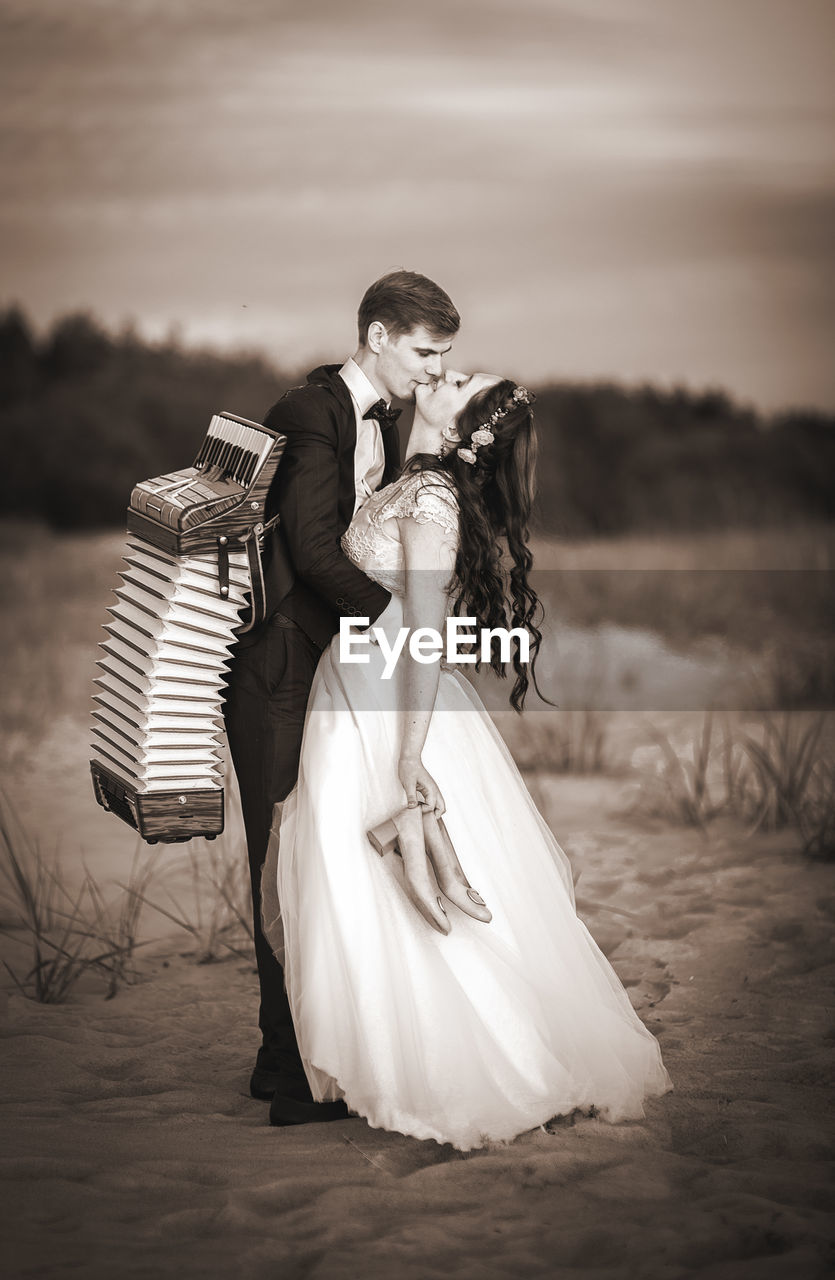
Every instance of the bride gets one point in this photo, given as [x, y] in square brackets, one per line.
[463, 1007]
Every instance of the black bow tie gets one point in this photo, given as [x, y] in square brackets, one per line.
[384, 415]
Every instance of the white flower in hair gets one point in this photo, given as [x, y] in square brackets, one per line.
[483, 435]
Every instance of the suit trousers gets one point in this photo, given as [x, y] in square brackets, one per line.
[267, 693]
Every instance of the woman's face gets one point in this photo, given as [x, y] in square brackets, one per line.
[439, 403]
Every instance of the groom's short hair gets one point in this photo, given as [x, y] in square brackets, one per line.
[403, 301]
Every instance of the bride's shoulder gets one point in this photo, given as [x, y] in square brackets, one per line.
[423, 496]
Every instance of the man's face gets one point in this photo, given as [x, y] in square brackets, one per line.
[412, 360]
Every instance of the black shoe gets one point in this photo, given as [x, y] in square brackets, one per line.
[263, 1083]
[279, 1070]
[285, 1110]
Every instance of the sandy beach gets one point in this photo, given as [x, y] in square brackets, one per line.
[131, 1146]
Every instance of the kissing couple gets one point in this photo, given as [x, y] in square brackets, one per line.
[446, 989]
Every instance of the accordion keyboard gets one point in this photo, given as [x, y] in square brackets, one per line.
[235, 448]
[231, 457]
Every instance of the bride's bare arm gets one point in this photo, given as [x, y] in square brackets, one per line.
[429, 553]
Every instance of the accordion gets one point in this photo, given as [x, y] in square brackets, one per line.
[193, 564]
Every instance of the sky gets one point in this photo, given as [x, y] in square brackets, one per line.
[628, 189]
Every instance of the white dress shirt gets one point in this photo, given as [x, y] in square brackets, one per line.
[369, 458]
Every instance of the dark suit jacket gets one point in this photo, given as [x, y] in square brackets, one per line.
[308, 577]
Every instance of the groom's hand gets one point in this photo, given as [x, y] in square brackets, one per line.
[419, 785]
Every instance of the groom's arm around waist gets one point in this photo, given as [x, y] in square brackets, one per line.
[307, 496]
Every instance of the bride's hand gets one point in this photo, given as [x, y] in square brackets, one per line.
[419, 785]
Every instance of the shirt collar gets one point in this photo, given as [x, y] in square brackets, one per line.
[360, 386]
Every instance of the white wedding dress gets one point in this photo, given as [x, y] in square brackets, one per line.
[495, 1028]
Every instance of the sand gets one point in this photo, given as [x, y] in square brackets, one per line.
[132, 1148]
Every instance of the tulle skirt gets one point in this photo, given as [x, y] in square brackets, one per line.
[480, 1035]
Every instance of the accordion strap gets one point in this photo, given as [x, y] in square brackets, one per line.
[254, 544]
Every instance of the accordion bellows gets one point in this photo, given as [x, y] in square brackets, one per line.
[157, 751]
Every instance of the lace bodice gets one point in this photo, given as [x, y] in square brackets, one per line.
[372, 540]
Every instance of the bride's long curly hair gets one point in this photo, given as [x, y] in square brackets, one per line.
[495, 498]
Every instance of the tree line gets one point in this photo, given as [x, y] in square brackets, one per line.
[85, 414]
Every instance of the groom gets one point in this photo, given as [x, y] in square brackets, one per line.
[342, 444]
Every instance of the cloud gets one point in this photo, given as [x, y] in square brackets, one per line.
[563, 166]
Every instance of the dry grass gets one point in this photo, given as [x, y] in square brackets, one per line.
[216, 914]
[782, 762]
[572, 741]
[684, 787]
[116, 924]
[61, 925]
[775, 773]
[66, 929]
[817, 815]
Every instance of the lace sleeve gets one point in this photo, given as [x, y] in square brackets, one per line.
[424, 497]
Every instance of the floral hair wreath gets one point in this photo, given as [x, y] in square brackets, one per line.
[483, 434]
